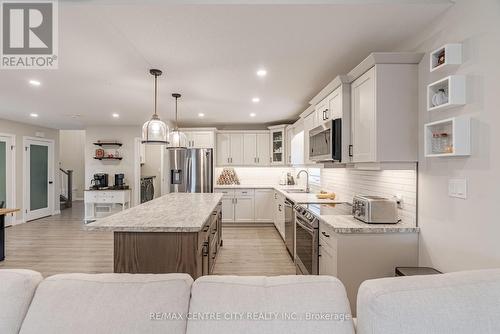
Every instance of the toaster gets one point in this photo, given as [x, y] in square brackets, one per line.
[375, 209]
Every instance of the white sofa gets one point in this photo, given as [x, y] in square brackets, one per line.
[458, 303]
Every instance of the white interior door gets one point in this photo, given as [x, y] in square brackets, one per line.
[7, 174]
[38, 178]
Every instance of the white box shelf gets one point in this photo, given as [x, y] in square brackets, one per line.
[453, 87]
[446, 56]
[448, 137]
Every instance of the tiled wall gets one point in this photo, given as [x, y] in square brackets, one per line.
[258, 175]
[346, 182]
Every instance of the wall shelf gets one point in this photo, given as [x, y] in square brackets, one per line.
[109, 158]
[446, 56]
[454, 89]
[448, 137]
[108, 143]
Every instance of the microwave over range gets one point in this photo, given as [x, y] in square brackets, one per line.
[325, 141]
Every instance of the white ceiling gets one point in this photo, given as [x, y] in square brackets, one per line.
[209, 53]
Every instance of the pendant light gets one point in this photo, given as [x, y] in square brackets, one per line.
[155, 131]
[176, 138]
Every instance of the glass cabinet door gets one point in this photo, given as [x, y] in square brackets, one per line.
[278, 147]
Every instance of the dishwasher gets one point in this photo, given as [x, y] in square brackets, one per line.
[290, 227]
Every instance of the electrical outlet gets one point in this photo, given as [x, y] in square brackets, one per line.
[399, 200]
[457, 188]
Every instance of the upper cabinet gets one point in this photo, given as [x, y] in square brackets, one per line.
[200, 138]
[384, 109]
[246, 148]
[230, 149]
[256, 149]
[278, 144]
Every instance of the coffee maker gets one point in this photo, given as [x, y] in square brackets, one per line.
[99, 181]
[119, 181]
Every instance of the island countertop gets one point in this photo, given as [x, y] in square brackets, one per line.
[175, 212]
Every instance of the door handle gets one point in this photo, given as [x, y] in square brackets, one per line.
[350, 150]
[50, 182]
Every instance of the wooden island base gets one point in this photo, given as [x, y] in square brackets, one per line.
[193, 253]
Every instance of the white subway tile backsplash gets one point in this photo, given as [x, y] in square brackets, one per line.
[258, 175]
[346, 183]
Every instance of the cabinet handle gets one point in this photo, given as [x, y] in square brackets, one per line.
[258, 160]
[279, 207]
[326, 114]
[326, 235]
[227, 160]
[350, 150]
[271, 159]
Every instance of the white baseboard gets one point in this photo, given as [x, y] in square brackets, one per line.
[57, 212]
[78, 199]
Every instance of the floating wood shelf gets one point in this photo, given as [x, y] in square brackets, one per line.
[109, 158]
[107, 143]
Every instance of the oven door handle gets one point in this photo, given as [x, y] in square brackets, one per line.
[308, 229]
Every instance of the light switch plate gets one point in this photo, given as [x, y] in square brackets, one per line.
[457, 188]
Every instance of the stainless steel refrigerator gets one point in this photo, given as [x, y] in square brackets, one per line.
[190, 170]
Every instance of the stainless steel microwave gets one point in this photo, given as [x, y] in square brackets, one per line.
[325, 141]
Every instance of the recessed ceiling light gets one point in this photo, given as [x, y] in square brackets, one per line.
[115, 115]
[255, 100]
[261, 73]
[33, 115]
[201, 114]
[35, 82]
[253, 114]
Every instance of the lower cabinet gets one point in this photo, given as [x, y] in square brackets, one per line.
[244, 209]
[279, 213]
[209, 242]
[356, 257]
[237, 205]
[264, 205]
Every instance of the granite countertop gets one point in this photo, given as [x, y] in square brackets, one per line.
[175, 212]
[297, 198]
[345, 224]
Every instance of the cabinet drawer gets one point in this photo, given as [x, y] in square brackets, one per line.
[225, 192]
[327, 237]
[244, 192]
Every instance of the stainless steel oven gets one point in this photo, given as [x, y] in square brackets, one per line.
[289, 227]
[325, 141]
[306, 242]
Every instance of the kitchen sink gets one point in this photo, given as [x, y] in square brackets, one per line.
[301, 191]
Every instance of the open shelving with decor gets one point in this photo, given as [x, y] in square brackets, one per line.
[446, 56]
[446, 93]
[448, 137]
[108, 150]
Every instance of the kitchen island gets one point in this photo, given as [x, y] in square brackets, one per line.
[175, 233]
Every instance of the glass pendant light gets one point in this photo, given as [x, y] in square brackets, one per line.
[176, 138]
[155, 131]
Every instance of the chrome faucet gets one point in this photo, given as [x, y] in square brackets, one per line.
[307, 179]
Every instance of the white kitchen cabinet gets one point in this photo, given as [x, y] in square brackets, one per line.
[264, 205]
[199, 137]
[278, 144]
[279, 213]
[223, 149]
[236, 149]
[244, 209]
[364, 135]
[321, 113]
[250, 149]
[384, 114]
[308, 126]
[229, 149]
[289, 132]
[237, 205]
[263, 155]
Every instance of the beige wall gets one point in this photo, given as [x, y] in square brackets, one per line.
[21, 130]
[152, 167]
[459, 234]
[125, 135]
[72, 154]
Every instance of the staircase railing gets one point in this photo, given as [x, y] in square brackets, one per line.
[66, 188]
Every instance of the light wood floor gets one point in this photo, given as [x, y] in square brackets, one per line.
[58, 244]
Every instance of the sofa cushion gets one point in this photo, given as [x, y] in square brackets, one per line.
[457, 303]
[283, 304]
[17, 287]
[109, 303]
